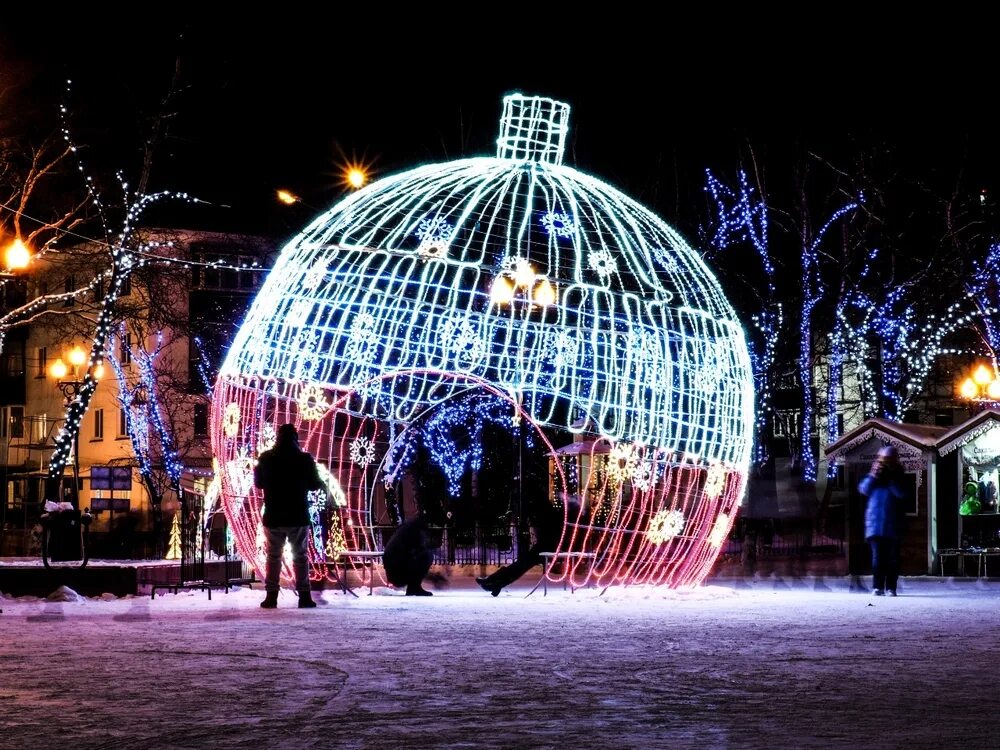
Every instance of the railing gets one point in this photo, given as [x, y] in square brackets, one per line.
[475, 545]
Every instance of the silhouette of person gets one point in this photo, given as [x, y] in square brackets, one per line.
[286, 474]
[884, 518]
[547, 524]
[408, 556]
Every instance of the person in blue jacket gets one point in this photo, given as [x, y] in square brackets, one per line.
[884, 517]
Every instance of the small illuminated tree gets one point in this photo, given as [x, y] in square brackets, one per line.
[174, 548]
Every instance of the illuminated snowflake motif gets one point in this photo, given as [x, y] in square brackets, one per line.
[715, 480]
[316, 274]
[563, 347]
[298, 313]
[718, 533]
[367, 384]
[665, 259]
[708, 373]
[602, 262]
[305, 350]
[231, 420]
[642, 475]
[647, 353]
[240, 473]
[558, 224]
[460, 340]
[312, 402]
[664, 526]
[361, 340]
[362, 451]
[622, 462]
[434, 229]
[266, 438]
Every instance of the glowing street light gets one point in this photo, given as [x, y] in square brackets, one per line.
[288, 198]
[17, 256]
[356, 177]
[982, 386]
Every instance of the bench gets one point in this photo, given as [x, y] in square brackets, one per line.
[367, 559]
[547, 560]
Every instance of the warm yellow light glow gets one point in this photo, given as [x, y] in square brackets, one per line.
[982, 375]
[17, 255]
[97, 372]
[356, 177]
[77, 356]
[524, 274]
[993, 390]
[969, 389]
[544, 293]
[58, 369]
[287, 198]
[502, 293]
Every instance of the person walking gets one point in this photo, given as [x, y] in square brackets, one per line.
[286, 474]
[884, 517]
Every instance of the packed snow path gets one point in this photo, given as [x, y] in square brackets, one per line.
[802, 663]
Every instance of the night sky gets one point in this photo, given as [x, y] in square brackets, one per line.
[286, 100]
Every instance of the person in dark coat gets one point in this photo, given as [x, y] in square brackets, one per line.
[408, 556]
[547, 524]
[286, 474]
[884, 518]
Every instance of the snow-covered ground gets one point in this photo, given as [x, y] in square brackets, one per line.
[779, 663]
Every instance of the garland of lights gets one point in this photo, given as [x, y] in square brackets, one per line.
[513, 291]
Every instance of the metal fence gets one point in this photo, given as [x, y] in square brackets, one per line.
[476, 545]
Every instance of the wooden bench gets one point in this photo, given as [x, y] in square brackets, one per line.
[367, 560]
[549, 557]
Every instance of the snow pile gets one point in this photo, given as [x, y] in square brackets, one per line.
[64, 594]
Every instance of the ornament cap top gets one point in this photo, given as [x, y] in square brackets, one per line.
[533, 128]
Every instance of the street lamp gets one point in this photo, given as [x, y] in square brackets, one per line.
[982, 387]
[70, 380]
[15, 258]
[523, 290]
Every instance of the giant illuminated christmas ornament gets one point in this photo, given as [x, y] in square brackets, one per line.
[534, 285]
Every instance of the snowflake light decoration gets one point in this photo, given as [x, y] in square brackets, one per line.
[231, 420]
[312, 402]
[664, 526]
[267, 438]
[460, 339]
[622, 462]
[715, 480]
[615, 327]
[435, 229]
[558, 224]
[362, 451]
[602, 262]
[316, 274]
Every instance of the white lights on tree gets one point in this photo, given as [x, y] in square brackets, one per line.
[520, 276]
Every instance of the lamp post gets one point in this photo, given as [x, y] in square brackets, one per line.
[982, 387]
[15, 258]
[523, 290]
[69, 381]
